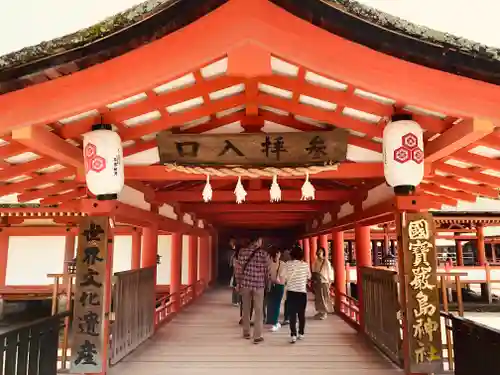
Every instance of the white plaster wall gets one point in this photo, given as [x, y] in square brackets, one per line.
[164, 250]
[378, 195]
[481, 205]
[185, 259]
[199, 258]
[134, 198]
[31, 258]
[167, 211]
[122, 253]
[345, 209]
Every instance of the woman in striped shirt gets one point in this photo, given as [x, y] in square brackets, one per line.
[296, 276]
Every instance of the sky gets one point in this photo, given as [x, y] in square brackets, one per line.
[28, 22]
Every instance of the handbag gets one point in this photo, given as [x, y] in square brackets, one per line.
[271, 285]
[316, 277]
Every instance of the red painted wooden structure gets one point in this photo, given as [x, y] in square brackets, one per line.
[247, 66]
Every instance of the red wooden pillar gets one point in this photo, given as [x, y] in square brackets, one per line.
[460, 252]
[314, 247]
[4, 255]
[386, 243]
[136, 249]
[481, 250]
[149, 246]
[362, 234]
[338, 261]
[210, 259]
[204, 259]
[176, 269]
[323, 242]
[301, 244]
[193, 261]
[307, 250]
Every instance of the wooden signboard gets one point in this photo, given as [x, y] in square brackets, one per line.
[422, 295]
[254, 150]
[89, 308]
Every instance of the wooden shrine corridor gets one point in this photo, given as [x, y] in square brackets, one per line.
[205, 339]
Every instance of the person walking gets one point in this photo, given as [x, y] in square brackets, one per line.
[276, 289]
[296, 276]
[233, 251]
[286, 313]
[252, 269]
[322, 278]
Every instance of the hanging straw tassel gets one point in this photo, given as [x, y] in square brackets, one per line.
[207, 191]
[240, 192]
[275, 191]
[307, 190]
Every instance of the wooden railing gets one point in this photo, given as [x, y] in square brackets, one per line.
[473, 348]
[469, 348]
[32, 349]
[380, 310]
[349, 308]
[133, 315]
[168, 306]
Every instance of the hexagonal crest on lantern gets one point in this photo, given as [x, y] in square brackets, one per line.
[417, 155]
[402, 154]
[410, 141]
[90, 151]
[98, 164]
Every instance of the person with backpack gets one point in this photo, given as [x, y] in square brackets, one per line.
[252, 270]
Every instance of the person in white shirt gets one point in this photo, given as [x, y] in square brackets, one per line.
[322, 278]
[276, 288]
[296, 276]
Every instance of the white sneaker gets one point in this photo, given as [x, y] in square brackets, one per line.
[300, 337]
[293, 340]
[275, 327]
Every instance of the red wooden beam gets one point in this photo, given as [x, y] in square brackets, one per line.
[204, 208]
[36, 181]
[464, 186]
[64, 197]
[458, 195]
[253, 196]
[26, 168]
[42, 193]
[459, 136]
[468, 174]
[344, 171]
[201, 41]
[46, 143]
[127, 214]
[263, 216]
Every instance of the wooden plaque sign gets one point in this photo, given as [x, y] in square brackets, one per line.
[422, 295]
[254, 150]
[89, 308]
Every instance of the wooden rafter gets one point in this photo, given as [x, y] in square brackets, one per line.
[298, 49]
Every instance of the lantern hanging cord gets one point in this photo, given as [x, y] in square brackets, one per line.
[251, 172]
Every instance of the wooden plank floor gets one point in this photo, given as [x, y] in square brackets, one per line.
[205, 339]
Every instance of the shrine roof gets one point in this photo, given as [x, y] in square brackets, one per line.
[153, 19]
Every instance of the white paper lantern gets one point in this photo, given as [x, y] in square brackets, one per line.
[103, 158]
[403, 148]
